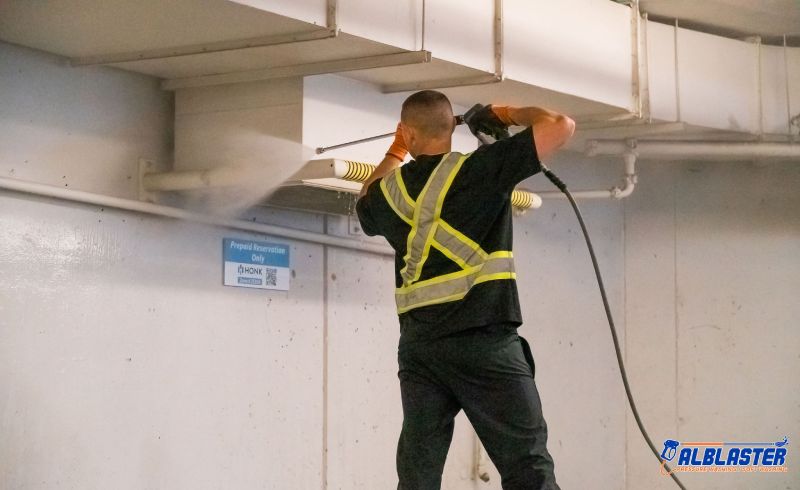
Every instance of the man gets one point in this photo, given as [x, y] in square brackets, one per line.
[448, 217]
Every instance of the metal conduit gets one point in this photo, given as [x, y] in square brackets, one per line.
[176, 213]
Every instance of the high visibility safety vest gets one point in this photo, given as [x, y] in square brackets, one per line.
[428, 229]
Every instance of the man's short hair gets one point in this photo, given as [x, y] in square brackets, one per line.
[430, 113]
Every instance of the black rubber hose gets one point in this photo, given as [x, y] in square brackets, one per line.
[563, 188]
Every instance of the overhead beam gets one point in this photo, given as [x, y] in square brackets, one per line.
[215, 47]
[319, 68]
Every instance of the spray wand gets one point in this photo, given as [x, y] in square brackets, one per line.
[323, 149]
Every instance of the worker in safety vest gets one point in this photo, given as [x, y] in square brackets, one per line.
[448, 217]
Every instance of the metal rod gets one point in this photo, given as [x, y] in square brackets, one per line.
[323, 149]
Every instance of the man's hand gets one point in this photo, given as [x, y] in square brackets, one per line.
[393, 159]
[398, 149]
[483, 120]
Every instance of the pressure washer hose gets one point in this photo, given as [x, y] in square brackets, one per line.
[563, 188]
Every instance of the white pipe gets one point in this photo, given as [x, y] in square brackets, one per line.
[729, 150]
[171, 212]
[613, 193]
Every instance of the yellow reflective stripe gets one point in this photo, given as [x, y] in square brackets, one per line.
[454, 297]
[449, 254]
[404, 191]
[459, 295]
[389, 199]
[428, 229]
[418, 209]
[452, 243]
[437, 212]
[494, 277]
[501, 254]
[455, 247]
[437, 280]
[463, 238]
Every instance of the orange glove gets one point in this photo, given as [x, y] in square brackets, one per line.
[501, 111]
[398, 148]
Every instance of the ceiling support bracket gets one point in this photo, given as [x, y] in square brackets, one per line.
[214, 47]
[319, 68]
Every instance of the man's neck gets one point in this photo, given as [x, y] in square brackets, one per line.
[435, 148]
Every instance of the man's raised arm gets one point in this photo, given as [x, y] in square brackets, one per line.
[393, 159]
[550, 129]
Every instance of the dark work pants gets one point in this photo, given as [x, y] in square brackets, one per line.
[484, 372]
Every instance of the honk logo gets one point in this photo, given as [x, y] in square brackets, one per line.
[724, 457]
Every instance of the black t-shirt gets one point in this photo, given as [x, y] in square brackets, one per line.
[478, 205]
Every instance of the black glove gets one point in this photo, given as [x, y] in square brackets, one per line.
[485, 124]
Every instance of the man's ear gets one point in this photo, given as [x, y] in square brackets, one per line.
[408, 134]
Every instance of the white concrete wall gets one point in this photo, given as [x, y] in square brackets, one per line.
[124, 363]
[711, 276]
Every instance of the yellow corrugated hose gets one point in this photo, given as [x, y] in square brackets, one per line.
[360, 172]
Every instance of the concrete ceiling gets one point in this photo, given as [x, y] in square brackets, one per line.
[770, 19]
